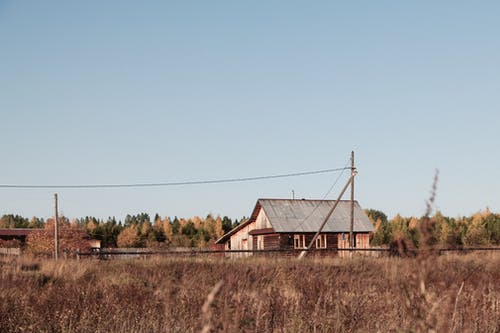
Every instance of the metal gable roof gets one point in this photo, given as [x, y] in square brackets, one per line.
[287, 215]
[296, 216]
[17, 231]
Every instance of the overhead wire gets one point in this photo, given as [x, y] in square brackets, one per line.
[165, 184]
[324, 197]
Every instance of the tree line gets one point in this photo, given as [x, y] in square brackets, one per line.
[480, 229]
[135, 231]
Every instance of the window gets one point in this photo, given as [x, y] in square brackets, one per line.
[321, 241]
[260, 242]
[299, 241]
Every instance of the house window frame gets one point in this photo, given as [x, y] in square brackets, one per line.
[321, 242]
[299, 241]
[260, 242]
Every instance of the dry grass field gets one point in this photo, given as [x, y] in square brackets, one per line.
[441, 294]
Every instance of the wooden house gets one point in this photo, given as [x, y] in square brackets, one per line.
[284, 224]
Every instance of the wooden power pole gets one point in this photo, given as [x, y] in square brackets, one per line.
[351, 179]
[351, 226]
[56, 231]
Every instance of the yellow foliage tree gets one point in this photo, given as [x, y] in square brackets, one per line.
[476, 232]
[197, 222]
[91, 225]
[71, 239]
[146, 229]
[129, 237]
[219, 231]
[167, 229]
[413, 223]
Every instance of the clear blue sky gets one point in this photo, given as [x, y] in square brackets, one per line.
[127, 92]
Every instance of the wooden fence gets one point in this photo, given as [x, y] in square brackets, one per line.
[15, 251]
[139, 253]
[186, 252]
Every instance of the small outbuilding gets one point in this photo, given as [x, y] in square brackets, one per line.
[18, 234]
[287, 224]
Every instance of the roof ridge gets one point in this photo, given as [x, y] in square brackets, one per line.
[276, 199]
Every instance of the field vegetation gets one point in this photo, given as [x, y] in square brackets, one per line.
[452, 293]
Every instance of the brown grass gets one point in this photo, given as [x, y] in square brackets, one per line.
[442, 294]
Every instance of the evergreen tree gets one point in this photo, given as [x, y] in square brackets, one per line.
[227, 224]
[376, 215]
[176, 226]
[13, 221]
[492, 225]
[36, 223]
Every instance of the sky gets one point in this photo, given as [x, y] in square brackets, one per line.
[121, 92]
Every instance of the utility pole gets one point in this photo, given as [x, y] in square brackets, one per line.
[351, 179]
[56, 234]
[351, 227]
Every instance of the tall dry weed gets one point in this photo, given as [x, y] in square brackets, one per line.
[258, 295]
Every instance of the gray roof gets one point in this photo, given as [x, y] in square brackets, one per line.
[296, 216]
[307, 215]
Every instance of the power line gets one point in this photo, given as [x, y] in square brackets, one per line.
[184, 183]
[336, 181]
[323, 198]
